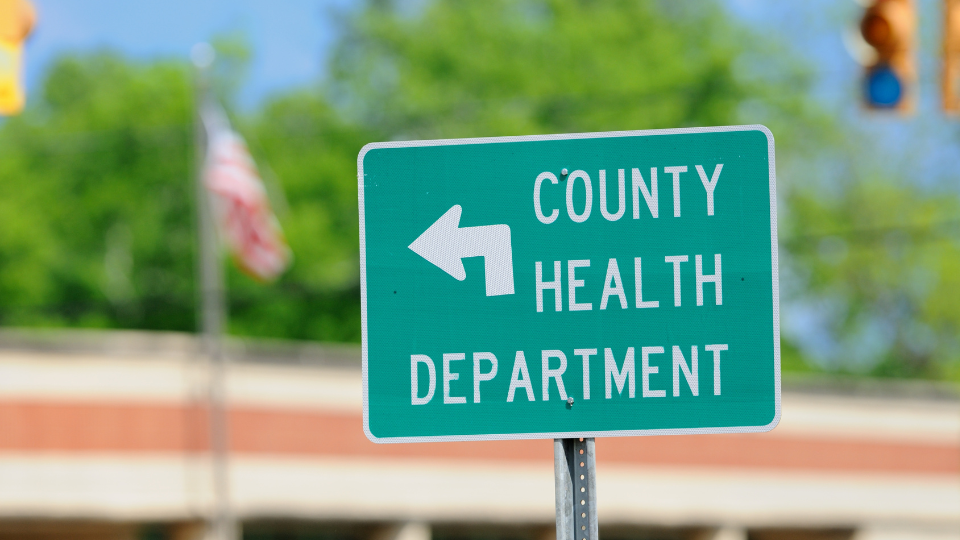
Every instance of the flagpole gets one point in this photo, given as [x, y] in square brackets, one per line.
[223, 524]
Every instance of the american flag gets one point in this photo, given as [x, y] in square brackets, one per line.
[247, 224]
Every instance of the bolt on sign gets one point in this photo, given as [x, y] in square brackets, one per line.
[580, 285]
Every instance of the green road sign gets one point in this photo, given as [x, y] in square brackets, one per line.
[586, 285]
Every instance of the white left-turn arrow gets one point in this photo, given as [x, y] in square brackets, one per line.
[445, 243]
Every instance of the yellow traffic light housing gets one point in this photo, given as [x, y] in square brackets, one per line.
[950, 80]
[17, 18]
[889, 28]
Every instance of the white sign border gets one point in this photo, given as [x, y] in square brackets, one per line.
[559, 137]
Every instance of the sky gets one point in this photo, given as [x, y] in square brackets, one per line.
[289, 38]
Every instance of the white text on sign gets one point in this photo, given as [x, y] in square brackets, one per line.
[619, 375]
[638, 184]
[613, 283]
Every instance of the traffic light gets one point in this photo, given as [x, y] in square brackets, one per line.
[888, 27]
[950, 79]
[16, 21]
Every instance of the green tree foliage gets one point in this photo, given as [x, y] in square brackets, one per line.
[506, 67]
[95, 225]
[97, 213]
[878, 289]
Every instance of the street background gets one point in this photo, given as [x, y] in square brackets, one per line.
[102, 411]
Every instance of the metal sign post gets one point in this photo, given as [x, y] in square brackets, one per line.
[574, 469]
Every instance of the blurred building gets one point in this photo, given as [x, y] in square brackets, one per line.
[103, 435]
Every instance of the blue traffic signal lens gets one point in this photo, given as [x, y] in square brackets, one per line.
[883, 87]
